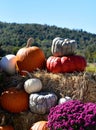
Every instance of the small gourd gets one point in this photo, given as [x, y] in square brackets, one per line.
[41, 102]
[64, 99]
[61, 46]
[8, 64]
[40, 125]
[32, 85]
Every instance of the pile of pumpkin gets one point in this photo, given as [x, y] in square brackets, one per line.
[27, 60]
[64, 58]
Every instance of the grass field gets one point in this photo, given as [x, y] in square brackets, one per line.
[91, 67]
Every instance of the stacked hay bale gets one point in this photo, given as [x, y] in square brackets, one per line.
[77, 85]
[80, 86]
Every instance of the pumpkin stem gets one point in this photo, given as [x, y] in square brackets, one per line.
[19, 86]
[27, 73]
[29, 41]
[61, 95]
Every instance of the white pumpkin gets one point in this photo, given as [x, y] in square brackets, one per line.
[61, 46]
[8, 64]
[64, 99]
[42, 102]
[32, 85]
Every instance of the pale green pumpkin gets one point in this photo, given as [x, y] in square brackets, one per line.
[61, 46]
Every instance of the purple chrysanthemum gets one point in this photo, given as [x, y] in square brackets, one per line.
[73, 115]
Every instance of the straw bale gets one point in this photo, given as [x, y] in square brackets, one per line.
[81, 86]
[78, 85]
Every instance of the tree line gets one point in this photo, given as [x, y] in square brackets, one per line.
[14, 36]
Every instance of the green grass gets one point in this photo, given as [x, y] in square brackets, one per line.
[91, 67]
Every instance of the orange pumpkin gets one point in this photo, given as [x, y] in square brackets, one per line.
[40, 125]
[7, 127]
[14, 100]
[30, 58]
[66, 64]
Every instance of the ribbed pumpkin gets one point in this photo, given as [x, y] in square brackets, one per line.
[66, 64]
[14, 100]
[41, 102]
[61, 46]
[40, 125]
[7, 127]
[30, 58]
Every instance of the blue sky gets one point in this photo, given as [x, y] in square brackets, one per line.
[72, 14]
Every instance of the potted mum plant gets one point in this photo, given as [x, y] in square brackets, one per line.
[73, 115]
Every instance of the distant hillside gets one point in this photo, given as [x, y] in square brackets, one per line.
[14, 36]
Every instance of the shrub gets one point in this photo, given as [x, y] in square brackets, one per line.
[73, 115]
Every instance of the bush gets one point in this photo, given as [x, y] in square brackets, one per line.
[73, 115]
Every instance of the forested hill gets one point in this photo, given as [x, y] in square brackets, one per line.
[14, 36]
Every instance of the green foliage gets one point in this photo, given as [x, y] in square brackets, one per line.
[91, 67]
[14, 36]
